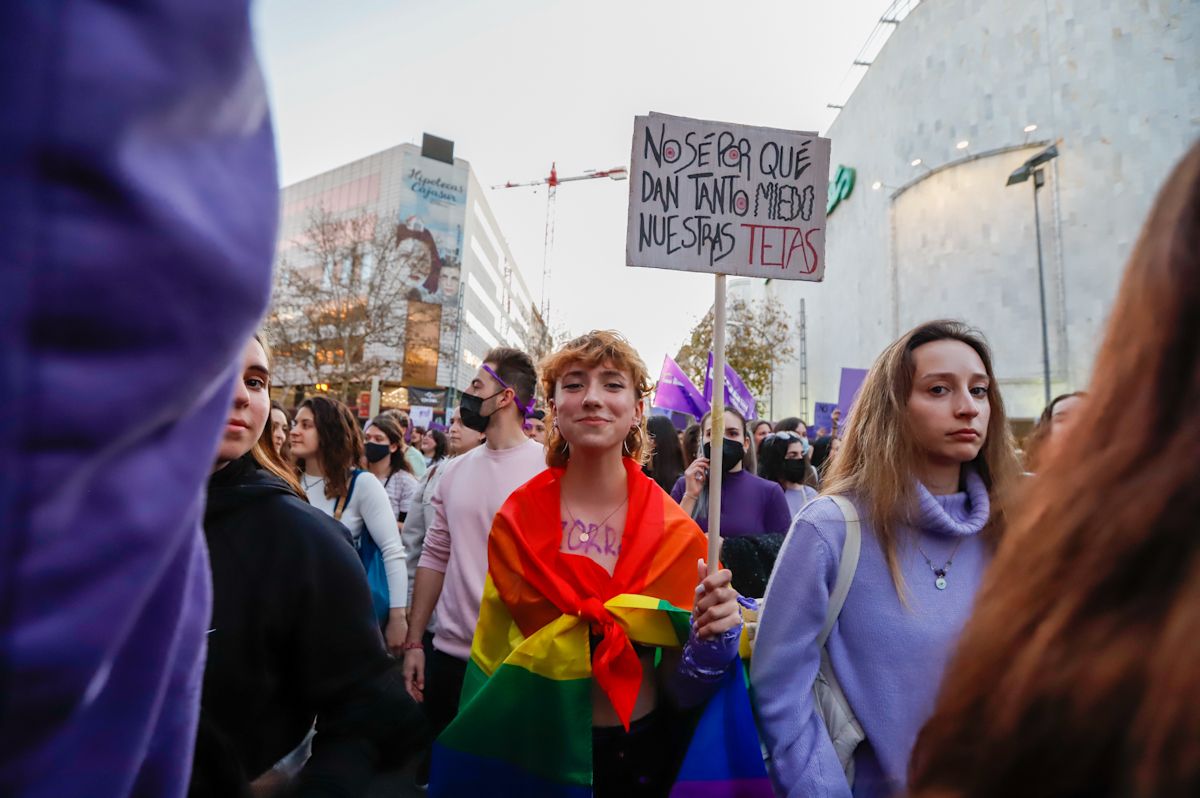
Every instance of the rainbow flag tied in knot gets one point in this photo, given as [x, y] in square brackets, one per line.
[524, 726]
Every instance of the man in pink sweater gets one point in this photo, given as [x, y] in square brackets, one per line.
[454, 562]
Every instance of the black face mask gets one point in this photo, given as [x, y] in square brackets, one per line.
[468, 411]
[731, 454]
[376, 451]
[794, 470]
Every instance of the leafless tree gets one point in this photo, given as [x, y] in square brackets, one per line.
[340, 301]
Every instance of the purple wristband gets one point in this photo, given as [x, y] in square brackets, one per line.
[707, 660]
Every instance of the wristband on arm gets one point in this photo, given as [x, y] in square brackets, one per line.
[707, 660]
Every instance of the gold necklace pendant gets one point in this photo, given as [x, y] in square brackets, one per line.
[585, 536]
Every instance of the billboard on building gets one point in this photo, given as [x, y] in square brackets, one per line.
[431, 217]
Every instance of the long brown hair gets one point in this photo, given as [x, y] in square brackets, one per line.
[340, 441]
[876, 460]
[263, 451]
[596, 348]
[268, 431]
[1079, 671]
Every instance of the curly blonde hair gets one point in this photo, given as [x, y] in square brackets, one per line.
[596, 348]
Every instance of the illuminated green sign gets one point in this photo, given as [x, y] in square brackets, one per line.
[840, 188]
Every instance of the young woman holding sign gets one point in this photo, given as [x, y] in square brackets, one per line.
[595, 568]
[925, 461]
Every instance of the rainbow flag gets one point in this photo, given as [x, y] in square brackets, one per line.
[524, 726]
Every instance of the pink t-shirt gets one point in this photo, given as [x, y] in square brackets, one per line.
[466, 499]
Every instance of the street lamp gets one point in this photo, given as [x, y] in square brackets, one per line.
[1022, 173]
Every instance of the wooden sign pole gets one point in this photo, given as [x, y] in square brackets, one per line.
[718, 427]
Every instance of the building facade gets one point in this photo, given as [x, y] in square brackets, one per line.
[960, 96]
[459, 291]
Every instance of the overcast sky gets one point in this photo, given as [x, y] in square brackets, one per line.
[521, 83]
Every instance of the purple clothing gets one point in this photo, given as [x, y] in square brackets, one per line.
[798, 497]
[138, 184]
[887, 657]
[750, 505]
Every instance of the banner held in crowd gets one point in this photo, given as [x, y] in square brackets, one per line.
[736, 392]
[676, 392]
[729, 199]
[726, 199]
[421, 416]
[822, 418]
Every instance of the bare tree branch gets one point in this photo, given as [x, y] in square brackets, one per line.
[338, 310]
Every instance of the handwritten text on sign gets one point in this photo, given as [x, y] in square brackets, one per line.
[735, 199]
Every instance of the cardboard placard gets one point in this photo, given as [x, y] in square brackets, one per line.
[729, 199]
[421, 416]
[822, 418]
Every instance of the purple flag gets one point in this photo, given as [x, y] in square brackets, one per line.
[676, 392]
[852, 380]
[737, 395]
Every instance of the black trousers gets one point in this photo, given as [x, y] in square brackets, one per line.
[444, 676]
[640, 763]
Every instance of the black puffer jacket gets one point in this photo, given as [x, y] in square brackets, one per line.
[293, 637]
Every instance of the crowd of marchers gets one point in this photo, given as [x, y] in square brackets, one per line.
[921, 607]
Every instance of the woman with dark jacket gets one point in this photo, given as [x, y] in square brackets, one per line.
[293, 636]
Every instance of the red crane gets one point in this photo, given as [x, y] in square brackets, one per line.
[551, 182]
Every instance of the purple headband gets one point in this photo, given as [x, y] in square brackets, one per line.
[525, 409]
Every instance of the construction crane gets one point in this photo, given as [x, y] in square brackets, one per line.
[551, 182]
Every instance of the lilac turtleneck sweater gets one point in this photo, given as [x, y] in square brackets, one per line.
[888, 658]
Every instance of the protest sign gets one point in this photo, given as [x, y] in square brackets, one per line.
[726, 199]
[822, 418]
[421, 416]
[730, 199]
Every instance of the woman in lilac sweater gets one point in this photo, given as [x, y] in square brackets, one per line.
[925, 457]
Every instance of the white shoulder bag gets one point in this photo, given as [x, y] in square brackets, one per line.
[845, 732]
[844, 729]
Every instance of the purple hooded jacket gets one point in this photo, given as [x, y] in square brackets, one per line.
[138, 199]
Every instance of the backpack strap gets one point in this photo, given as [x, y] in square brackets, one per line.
[846, 568]
[340, 506]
